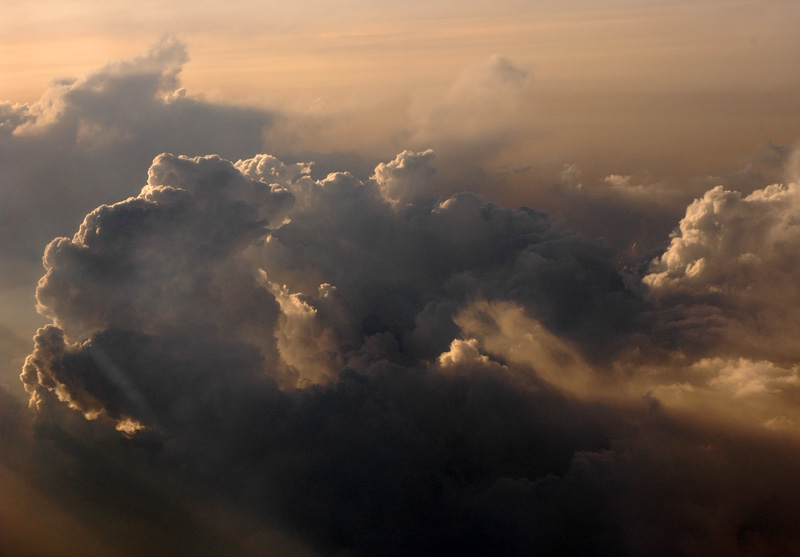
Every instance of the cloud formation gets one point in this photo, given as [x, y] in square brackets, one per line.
[363, 367]
[89, 139]
[486, 107]
[249, 355]
[730, 272]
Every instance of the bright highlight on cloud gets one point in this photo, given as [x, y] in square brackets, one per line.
[732, 267]
[290, 359]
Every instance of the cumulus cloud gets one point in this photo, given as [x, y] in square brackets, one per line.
[730, 273]
[167, 263]
[312, 273]
[361, 367]
[475, 122]
[284, 358]
[88, 139]
[131, 261]
[407, 179]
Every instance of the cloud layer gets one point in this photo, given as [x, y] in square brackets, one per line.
[249, 355]
[365, 367]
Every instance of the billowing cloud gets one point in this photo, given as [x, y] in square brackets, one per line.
[252, 355]
[361, 367]
[223, 252]
[730, 273]
[407, 179]
[88, 139]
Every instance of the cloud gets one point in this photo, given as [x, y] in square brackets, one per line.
[361, 368]
[262, 354]
[417, 266]
[88, 139]
[181, 312]
[406, 179]
[475, 123]
[730, 273]
[505, 329]
[484, 108]
[260, 253]
[167, 262]
[131, 261]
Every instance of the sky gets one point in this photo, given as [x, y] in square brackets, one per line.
[366, 278]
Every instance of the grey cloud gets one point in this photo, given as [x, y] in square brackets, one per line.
[186, 311]
[88, 140]
[407, 179]
[162, 258]
[399, 460]
[167, 262]
[270, 355]
[487, 106]
[194, 254]
[440, 256]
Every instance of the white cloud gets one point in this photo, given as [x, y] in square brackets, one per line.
[733, 264]
[407, 179]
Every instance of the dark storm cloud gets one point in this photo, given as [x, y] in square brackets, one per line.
[471, 457]
[344, 262]
[257, 357]
[357, 366]
[154, 293]
[417, 260]
[170, 259]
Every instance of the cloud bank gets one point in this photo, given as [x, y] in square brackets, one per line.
[249, 355]
[371, 369]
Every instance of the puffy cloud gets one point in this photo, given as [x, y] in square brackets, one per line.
[416, 267]
[406, 179]
[308, 338]
[170, 263]
[275, 355]
[313, 274]
[730, 273]
[270, 170]
[88, 139]
[375, 372]
[164, 258]
[462, 352]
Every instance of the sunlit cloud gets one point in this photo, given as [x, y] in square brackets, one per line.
[491, 308]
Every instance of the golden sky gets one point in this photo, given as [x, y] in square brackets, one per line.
[270, 50]
[700, 83]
